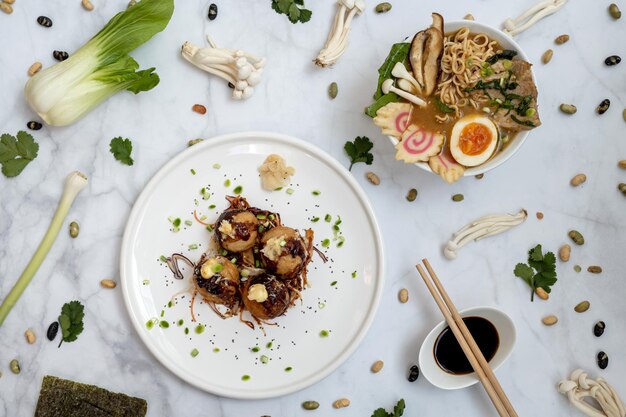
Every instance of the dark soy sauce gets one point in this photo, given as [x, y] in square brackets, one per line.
[449, 355]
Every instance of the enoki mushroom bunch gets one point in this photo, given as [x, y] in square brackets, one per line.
[337, 41]
[481, 228]
[241, 69]
[579, 386]
[531, 16]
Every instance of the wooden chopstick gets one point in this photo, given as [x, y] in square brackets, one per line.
[495, 396]
[470, 340]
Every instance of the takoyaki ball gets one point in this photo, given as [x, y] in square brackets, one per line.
[237, 230]
[283, 251]
[217, 281]
[265, 296]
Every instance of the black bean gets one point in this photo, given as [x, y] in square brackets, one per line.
[603, 106]
[414, 373]
[598, 329]
[44, 21]
[603, 360]
[52, 331]
[60, 55]
[212, 11]
[612, 60]
[33, 125]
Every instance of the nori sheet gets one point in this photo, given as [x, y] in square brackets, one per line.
[63, 398]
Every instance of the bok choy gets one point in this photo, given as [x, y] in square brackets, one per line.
[102, 67]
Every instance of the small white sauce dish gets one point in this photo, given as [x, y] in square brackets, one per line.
[444, 380]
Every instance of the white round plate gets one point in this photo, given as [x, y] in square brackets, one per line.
[296, 353]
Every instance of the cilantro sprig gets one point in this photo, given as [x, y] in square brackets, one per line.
[398, 411]
[121, 150]
[294, 9]
[359, 151]
[71, 321]
[540, 272]
[16, 152]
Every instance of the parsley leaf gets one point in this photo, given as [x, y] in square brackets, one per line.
[294, 9]
[398, 411]
[121, 149]
[540, 272]
[71, 321]
[16, 153]
[359, 151]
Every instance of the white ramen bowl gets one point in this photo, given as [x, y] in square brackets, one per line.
[444, 380]
[507, 43]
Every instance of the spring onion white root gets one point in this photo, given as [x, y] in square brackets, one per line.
[579, 386]
[337, 41]
[481, 228]
[74, 183]
[531, 16]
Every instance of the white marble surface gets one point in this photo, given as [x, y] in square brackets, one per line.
[292, 99]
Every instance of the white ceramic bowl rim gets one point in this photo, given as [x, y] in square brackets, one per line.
[441, 379]
[509, 43]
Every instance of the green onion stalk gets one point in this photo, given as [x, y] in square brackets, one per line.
[74, 183]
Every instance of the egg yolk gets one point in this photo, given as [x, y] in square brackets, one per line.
[474, 139]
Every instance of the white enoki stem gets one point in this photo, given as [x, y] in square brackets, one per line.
[481, 228]
[337, 40]
[579, 386]
[532, 16]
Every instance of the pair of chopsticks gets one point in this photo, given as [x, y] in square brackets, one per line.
[467, 342]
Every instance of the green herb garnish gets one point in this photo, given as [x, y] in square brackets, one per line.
[17, 152]
[288, 369]
[398, 411]
[443, 107]
[121, 150]
[316, 192]
[293, 9]
[326, 243]
[238, 189]
[255, 349]
[194, 352]
[540, 272]
[199, 329]
[315, 219]
[506, 54]
[245, 377]
[328, 218]
[359, 151]
[324, 333]
[399, 53]
[164, 324]
[71, 321]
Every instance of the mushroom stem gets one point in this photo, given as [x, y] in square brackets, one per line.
[337, 40]
[532, 16]
[399, 71]
[387, 87]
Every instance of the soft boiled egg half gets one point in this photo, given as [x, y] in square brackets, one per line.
[473, 140]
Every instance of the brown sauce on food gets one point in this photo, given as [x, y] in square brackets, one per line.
[449, 355]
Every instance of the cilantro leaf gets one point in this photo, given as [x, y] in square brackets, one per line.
[381, 412]
[17, 152]
[294, 9]
[121, 150]
[540, 272]
[398, 411]
[359, 150]
[71, 321]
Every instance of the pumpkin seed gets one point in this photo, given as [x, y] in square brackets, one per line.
[582, 307]
[44, 21]
[550, 320]
[568, 108]
[622, 164]
[577, 237]
[194, 141]
[479, 176]
[624, 115]
[373, 178]
[5, 7]
[541, 293]
[577, 268]
[403, 295]
[74, 230]
[60, 55]
[603, 106]
[603, 360]
[199, 108]
[414, 373]
[547, 56]
[383, 7]
[598, 329]
[212, 11]
[622, 187]
[412, 194]
[560, 40]
[458, 197]
[35, 68]
[539, 215]
[468, 16]
[33, 125]
[594, 269]
[30, 336]
[87, 5]
[310, 405]
[333, 90]
[614, 11]
[578, 179]
[108, 283]
[377, 366]
[612, 60]
[53, 329]
[15, 366]
[341, 403]
[564, 252]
